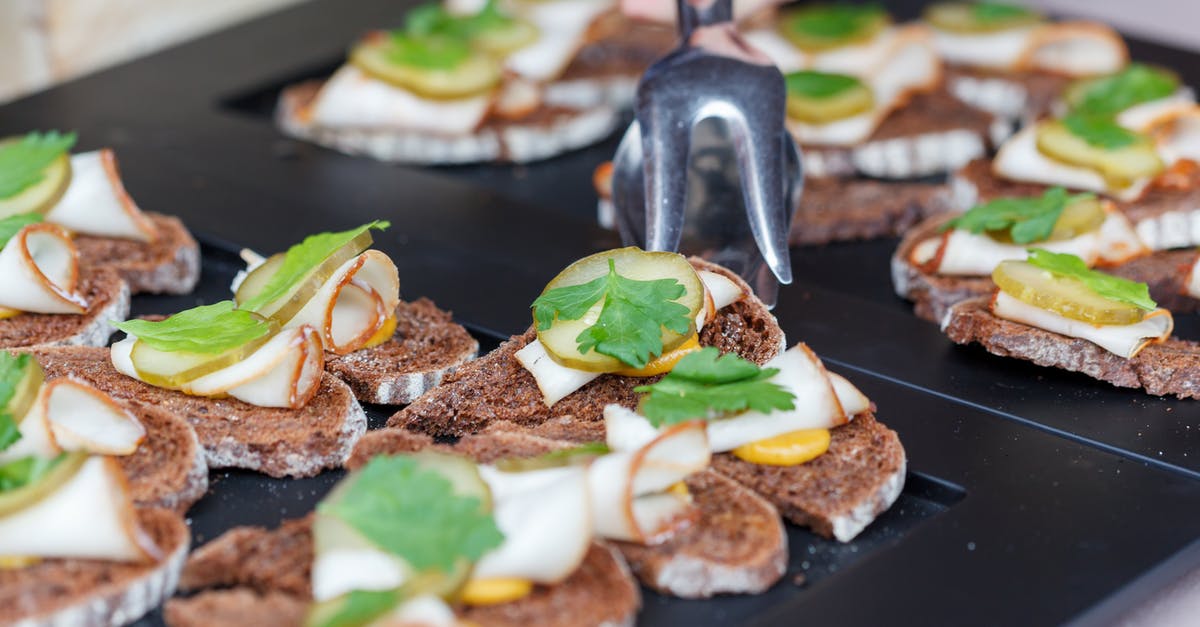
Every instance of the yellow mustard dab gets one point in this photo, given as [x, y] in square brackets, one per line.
[495, 591]
[6, 313]
[787, 449]
[384, 333]
[665, 362]
[13, 562]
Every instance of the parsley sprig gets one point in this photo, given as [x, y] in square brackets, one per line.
[631, 319]
[707, 385]
[1027, 220]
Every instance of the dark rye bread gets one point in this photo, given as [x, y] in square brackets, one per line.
[1169, 368]
[168, 469]
[168, 265]
[1165, 272]
[932, 133]
[496, 387]
[839, 493]
[837, 210]
[736, 546]
[427, 346]
[268, 569]
[107, 297]
[1162, 217]
[96, 593]
[277, 442]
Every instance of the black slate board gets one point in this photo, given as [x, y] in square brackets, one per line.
[1034, 496]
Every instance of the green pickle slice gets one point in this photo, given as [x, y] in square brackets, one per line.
[820, 98]
[65, 467]
[1123, 161]
[432, 66]
[174, 369]
[819, 27]
[505, 38]
[979, 17]
[43, 195]
[632, 263]
[1077, 218]
[26, 391]
[1066, 296]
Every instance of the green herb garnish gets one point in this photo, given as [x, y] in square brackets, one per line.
[12, 371]
[834, 21]
[1134, 85]
[707, 385]
[434, 19]
[303, 258]
[1106, 285]
[1101, 131]
[555, 459]
[430, 52]
[353, 609]
[819, 85]
[26, 471]
[207, 329]
[13, 224]
[1029, 219]
[23, 161]
[990, 13]
[631, 319]
[415, 513]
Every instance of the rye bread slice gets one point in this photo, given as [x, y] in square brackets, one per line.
[168, 265]
[427, 346]
[496, 387]
[168, 470]
[931, 134]
[108, 301]
[276, 442]
[90, 592]
[273, 568]
[1165, 272]
[1166, 216]
[1172, 367]
[736, 546]
[548, 131]
[836, 210]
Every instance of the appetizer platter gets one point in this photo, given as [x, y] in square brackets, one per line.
[458, 237]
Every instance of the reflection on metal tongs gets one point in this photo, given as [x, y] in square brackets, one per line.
[713, 76]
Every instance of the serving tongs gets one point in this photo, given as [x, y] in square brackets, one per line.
[712, 75]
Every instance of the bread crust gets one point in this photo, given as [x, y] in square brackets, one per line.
[168, 265]
[168, 470]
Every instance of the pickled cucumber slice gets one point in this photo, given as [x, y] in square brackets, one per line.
[581, 454]
[979, 17]
[43, 195]
[561, 339]
[284, 309]
[820, 98]
[821, 27]
[432, 66]
[172, 370]
[1119, 155]
[26, 391]
[1077, 218]
[62, 469]
[1066, 296]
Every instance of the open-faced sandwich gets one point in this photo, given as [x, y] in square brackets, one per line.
[1052, 310]
[83, 193]
[479, 81]
[435, 539]
[76, 545]
[388, 351]
[1009, 60]
[619, 320]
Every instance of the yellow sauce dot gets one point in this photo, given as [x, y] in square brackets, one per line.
[495, 591]
[788, 449]
[665, 362]
[13, 562]
[6, 313]
[384, 333]
[680, 489]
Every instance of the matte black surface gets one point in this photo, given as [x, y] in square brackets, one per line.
[1050, 526]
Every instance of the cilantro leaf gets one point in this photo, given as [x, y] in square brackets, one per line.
[304, 258]
[707, 385]
[1134, 85]
[13, 224]
[414, 513]
[1027, 220]
[353, 609]
[26, 471]
[818, 85]
[207, 329]
[631, 319]
[23, 162]
[1101, 131]
[12, 370]
[1106, 285]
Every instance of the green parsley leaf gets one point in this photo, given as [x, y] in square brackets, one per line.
[1134, 85]
[13, 224]
[415, 514]
[998, 12]
[26, 471]
[1101, 131]
[819, 85]
[304, 258]
[208, 329]
[353, 609]
[555, 459]
[22, 162]
[834, 21]
[1106, 285]
[631, 319]
[12, 370]
[707, 385]
[1027, 220]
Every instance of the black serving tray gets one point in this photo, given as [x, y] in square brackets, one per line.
[1033, 497]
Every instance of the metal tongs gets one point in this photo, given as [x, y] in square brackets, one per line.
[713, 74]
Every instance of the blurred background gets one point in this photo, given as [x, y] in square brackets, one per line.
[44, 42]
